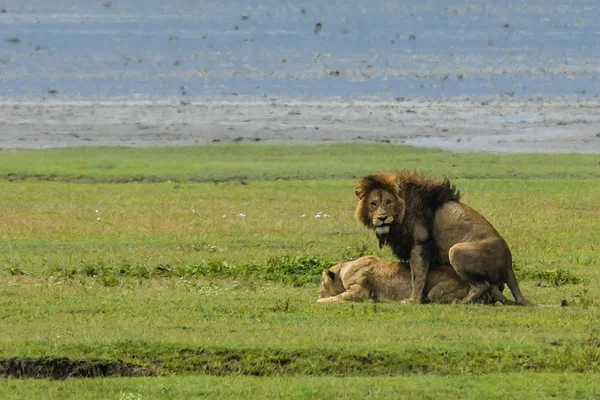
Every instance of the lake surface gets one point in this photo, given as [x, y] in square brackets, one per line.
[426, 49]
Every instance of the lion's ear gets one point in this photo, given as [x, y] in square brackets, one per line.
[359, 192]
[331, 275]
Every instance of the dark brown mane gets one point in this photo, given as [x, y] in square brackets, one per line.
[423, 196]
[378, 181]
[409, 184]
[424, 191]
[420, 196]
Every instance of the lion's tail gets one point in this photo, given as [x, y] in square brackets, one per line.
[499, 297]
[513, 285]
[563, 303]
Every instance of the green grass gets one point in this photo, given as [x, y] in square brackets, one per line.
[51, 228]
[270, 162]
[532, 386]
[248, 328]
[169, 279]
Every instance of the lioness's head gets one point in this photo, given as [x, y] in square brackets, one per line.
[379, 204]
[331, 282]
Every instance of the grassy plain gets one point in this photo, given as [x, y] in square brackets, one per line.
[491, 386]
[178, 263]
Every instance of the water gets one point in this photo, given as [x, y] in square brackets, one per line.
[425, 49]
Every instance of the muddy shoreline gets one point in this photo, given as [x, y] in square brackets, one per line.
[513, 126]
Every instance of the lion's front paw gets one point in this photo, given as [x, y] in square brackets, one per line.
[334, 299]
[326, 300]
[412, 300]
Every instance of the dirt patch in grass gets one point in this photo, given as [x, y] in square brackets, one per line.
[62, 368]
[273, 362]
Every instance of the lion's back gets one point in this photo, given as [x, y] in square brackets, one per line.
[456, 222]
[385, 280]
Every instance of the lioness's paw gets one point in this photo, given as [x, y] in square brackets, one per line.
[412, 300]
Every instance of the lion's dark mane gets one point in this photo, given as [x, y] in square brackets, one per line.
[422, 197]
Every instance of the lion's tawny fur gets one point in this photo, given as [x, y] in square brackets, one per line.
[373, 278]
[423, 221]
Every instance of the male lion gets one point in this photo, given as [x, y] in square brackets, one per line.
[372, 278]
[423, 221]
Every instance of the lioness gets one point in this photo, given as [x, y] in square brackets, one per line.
[423, 222]
[372, 278]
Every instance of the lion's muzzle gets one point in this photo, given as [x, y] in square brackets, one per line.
[383, 220]
[382, 228]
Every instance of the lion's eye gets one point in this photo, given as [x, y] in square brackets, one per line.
[388, 202]
[373, 204]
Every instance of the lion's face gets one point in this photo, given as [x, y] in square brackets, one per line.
[331, 284]
[383, 210]
[380, 204]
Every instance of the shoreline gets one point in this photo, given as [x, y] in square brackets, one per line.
[498, 126]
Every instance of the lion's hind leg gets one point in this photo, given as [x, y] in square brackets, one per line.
[497, 296]
[455, 292]
[477, 291]
[479, 263]
[448, 291]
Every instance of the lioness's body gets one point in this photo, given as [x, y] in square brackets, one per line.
[423, 221]
[372, 278]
